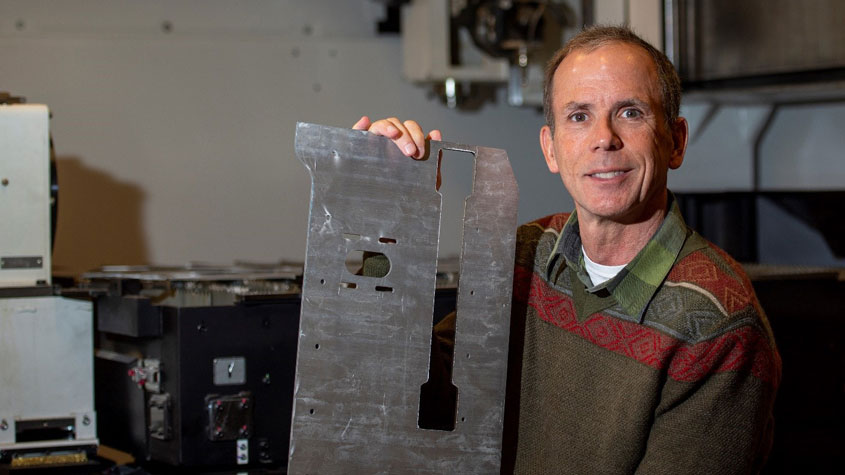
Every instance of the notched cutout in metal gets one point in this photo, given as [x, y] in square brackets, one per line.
[438, 405]
[438, 396]
[387, 240]
[349, 285]
[367, 388]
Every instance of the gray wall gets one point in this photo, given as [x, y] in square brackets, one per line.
[173, 123]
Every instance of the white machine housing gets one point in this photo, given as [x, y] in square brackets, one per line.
[46, 341]
[24, 195]
[46, 348]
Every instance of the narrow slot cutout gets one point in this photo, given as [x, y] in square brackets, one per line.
[381, 288]
[387, 240]
[349, 285]
[439, 396]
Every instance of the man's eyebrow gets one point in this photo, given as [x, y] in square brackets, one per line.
[572, 105]
[631, 102]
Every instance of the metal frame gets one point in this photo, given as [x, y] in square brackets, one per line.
[364, 351]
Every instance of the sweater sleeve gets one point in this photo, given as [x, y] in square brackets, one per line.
[715, 412]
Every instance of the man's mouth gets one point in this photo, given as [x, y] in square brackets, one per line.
[607, 175]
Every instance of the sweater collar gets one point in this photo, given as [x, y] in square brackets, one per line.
[635, 285]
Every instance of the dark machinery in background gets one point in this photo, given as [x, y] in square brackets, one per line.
[507, 29]
[731, 219]
[195, 365]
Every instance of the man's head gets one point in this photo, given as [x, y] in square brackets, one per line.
[611, 136]
[596, 36]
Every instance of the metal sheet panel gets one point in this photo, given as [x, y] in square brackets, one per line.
[364, 353]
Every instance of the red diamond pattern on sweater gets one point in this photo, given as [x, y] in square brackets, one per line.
[742, 349]
[698, 269]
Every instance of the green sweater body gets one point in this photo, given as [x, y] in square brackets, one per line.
[687, 386]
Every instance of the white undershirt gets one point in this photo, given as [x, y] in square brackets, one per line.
[599, 273]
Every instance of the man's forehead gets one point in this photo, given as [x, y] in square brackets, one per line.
[628, 67]
[613, 56]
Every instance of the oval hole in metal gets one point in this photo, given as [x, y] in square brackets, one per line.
[367, 263]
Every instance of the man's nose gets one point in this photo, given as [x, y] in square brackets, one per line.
[604, 136]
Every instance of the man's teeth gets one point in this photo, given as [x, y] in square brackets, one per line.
[608, 174]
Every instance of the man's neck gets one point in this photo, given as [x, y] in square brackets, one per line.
[611, 243]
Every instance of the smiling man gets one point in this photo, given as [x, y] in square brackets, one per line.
[637, 346]
[612, 141]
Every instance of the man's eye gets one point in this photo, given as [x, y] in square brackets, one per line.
[631, 113]
[578, 117]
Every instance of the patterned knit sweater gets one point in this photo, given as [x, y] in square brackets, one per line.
[686, 386]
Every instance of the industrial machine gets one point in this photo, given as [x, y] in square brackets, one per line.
[47, 412]
[195, 365]
[467, 48]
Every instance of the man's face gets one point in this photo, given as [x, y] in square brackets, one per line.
[611, 145]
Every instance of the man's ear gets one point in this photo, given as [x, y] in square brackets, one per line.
[680, 136]
[547, 144]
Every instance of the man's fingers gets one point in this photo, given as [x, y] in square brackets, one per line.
[407, 135]
[362, 124]
[397, 131]
[417, 136]
[387, 128]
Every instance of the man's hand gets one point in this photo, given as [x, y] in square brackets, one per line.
[407, 135]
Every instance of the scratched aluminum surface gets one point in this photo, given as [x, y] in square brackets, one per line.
[363, 353]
